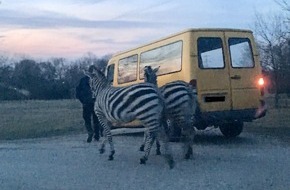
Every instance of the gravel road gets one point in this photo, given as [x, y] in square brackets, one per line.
[258, 159]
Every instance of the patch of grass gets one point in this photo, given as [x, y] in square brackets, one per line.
[275, 118]
[36, 118]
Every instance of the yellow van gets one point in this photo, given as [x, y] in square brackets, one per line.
[221, 64]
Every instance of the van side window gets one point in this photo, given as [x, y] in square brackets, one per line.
[210, 53]
[127, 69]
[168, 57]
[241, 53]
[110, 73]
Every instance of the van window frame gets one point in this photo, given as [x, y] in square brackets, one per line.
[199, 53]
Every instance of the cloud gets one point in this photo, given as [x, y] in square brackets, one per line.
[52, 20]
[73, 27]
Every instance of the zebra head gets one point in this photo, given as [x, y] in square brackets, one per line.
[150, 74]
[97, 80]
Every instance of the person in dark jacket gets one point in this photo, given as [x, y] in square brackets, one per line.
[84, 95]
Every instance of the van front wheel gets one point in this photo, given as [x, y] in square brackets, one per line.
[232, 129]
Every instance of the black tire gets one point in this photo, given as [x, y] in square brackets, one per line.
[232, 129]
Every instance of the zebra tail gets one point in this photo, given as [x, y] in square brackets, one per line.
[194, 104]
[164, 117]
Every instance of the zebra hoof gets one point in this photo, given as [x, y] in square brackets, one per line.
[143, 161]
[158, 152]
[102, 150]
[111, 157]
[171, 164]
[170, 161]
[188, 154]
[142, 148]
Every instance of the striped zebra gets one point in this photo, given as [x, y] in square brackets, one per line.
[141, 102]
[180, 104]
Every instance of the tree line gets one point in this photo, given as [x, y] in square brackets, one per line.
[273, 39]
[55, 78]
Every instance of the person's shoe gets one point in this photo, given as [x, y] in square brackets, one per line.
[90, 138]
[97, 137]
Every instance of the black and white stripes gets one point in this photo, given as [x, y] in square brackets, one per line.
[180, 104]
[141, 102]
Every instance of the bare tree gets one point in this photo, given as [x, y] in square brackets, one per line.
[284, 5]
[272, 35]
[59, 64]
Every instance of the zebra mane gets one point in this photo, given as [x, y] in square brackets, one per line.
[98, 80]
[95, 73]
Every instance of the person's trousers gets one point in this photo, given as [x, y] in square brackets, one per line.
[88, 115]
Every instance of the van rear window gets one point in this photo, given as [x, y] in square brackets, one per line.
[241, 53]
[210, 53]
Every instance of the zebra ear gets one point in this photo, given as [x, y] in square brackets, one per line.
[89, 74]
[103, 70]
[156, 69]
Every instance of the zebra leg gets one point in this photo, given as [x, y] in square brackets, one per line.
[188, 153]
[167, 150]
[142, 147]
[158, 152]
[108, 136]
[110, 139]
[148, 144]
[189, 133]
[111, 156]
[102, 148]
[167, 129]
[167, 155]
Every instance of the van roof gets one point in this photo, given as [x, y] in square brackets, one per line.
[185, 31]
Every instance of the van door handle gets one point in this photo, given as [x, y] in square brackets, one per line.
[236, 77]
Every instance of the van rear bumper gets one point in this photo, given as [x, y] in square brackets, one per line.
[205, 119]
[261, 111]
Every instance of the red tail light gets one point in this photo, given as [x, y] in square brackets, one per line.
[261, 82]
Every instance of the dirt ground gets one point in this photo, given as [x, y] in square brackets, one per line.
[258, 159]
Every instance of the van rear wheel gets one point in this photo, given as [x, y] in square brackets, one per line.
[232, 129]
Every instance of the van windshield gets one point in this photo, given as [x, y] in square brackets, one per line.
[210, 53]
